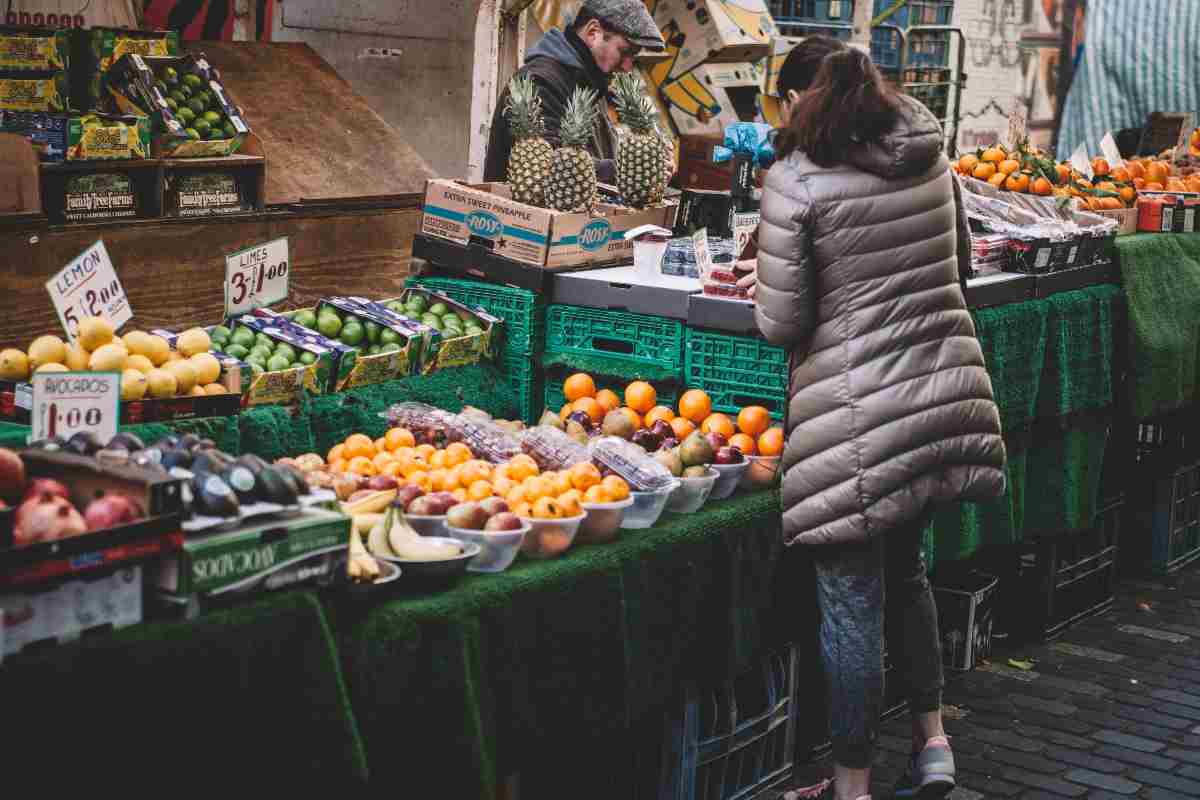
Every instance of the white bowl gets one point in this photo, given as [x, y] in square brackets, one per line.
[647, 507]
[728, 477]
[428, 526]
[692, 493]
[762, 473]
[550, 538]
[603, 522]
[498, 549]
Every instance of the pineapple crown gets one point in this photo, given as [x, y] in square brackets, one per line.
[578, 120]
[634, 108]
[524, 108]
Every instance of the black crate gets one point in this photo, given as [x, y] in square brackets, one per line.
[1165, 509]
[966, 610]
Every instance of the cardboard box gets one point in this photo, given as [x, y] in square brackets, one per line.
[27, 49]
[108, 136]
[67, 610]
[1168, 212]
[1127, 219]
[709, 98]
[699, 31]
[34, 91]
[257, 557]
[46, 130]
[459, 351]
[966, 609]
[415, 344]
[334, 362]
[622, 289]
[99, 49]
[696, 167]
[484, 215]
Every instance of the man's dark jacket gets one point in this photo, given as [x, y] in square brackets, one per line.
[558, 63]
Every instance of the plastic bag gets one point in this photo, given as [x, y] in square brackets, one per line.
[640, 471]
[750, 138]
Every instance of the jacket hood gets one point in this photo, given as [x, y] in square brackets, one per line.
[909, 149]
[554, 44]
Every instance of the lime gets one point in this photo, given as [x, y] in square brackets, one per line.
[220, 333]
[215, 133]
[257, 369]
[308, 358]
[434, 322]
[193, 80]
[257, 361]
[184, 90]
[286, 350]
[243, 336]
[191, 133]
[389, 336]
[417, 302]
[278, 363]
[373, 350]
[185, 114]
[171, 104]
[237, 351]
[306, 318]
[261, 352]
[396, 306]
[230, 131]
[162, 87]
[178, 96]
[197, 105]
[353, 333]
[201, 125]
[390, 347]
[170, 75]
[329, 325]
[438, 308]
[263, 339]
[213, 117]
[372, 329]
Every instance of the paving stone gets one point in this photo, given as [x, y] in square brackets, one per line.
[961, 793]
[1134, 699]
[1190, 771]
[1179, 698]
[1125, 740]
[1136, 757]
[1164, 780]
[1099, 780]
[1065, 724]
[1150, 717]
[1026, 761]
[1082, 651]
[1189, 756]
[1044, 782]
[1008, 739]
[1099, 719]
[1041, 704]
[1154, 633]
[1048, 736]
[1154, 793]
[1152, 732]
[1078, 758]
[989, 786]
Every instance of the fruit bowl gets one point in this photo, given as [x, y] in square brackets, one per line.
[550, 538]
[428, 526]
[728, 477]
[603, 521]
[648, 507]
[498, 549]
[761, 473]
[692, 493]
[441, 568]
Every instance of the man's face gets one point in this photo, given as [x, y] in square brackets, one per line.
[612, 51]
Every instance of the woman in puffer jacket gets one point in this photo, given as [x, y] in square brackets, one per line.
[890, 408]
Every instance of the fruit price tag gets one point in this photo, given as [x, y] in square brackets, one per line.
[1018, 123]
[704, 261]
[1185, 136]
[256, 276]
[65, 403]
[1081, 162]
[1108, 148]
[88, 287]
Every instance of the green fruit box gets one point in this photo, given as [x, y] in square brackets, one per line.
[105, 47]
[414, 345]
[456, 351]
[34, 91]
[108, 136]
[34, 49]
[133, 84]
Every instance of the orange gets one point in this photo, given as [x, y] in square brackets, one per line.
[570, 501]
[597, 494]
[410, 468]
[984, 171]
[547, 508]
[695, 405]
[438, 460]
[1107, 186]
[589, 406]
[1017, 182]
[426, 450]
[515, 496]
[454, 477]
[771, 442]
[382, 460]
[522, 509]
[564, 412]
[1094, 204]
[392, 470]
[1110, 203]
[460, 495]
[1156, 172]
[1041, 186]
[442, 481]
[404, 453]
[998, 180]
[1063, 172]
[608, 399]
[561, 481]
[1176, 185]
[616, 487]
[1128, 194]
[584, 475]
[657, 413]
[537, 487]
[1009, 165]
[359, 444]
[1120, 175]
[336, 453]
[753, 420]
[521, 467]
[1193, 183]
[421, 478]
[501, 471]
[634, 417]
[479, 490]
[1135, 169]
[719, 423]
[967, 163]
[682, 426]
[743, 442]
[641, 396]
[457, 453]
[339, 466]
[1139, 182]
[579, 385]
[474, 471]
[502, 486]
[362, 465]
[399, 437]
[1152, 186]
[995, 154]
[380, 445]
[1100, 166]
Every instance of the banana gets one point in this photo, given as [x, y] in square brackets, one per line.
[370, 504]
[361, 566]
[363, 523]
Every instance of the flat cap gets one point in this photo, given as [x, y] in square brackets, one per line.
[629, 18]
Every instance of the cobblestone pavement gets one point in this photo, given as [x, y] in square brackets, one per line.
[1109, 709]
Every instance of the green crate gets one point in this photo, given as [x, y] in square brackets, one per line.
[615, 342]
[736, 371]
[524, 376]
[523, 312]
[668, 391]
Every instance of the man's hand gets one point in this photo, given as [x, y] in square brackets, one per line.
[750, 279]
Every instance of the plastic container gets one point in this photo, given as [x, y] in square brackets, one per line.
[498, 549]
[728, 478]
[692, 493]
[428, 526]
[603, 522]
[551, 448]
[762, 472]
[550, 538]
[486, 440]
[640, 470]
[647, 507]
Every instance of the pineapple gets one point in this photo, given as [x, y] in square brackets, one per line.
[529, 161]
[640, 167]
[571, 183]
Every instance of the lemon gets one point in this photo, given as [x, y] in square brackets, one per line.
[46, 350]
[185, 374]
[215, 388]
[161, 383]
[140, 363]
[52, 366]
[174, 355]
[77, 358]
[108, 358]
[192, 341]
[208, 369]
[94, 332]
[14, 365]
[133, 385]
[138, 343]
[159, 350]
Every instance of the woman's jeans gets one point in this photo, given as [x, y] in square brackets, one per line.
[858, 586]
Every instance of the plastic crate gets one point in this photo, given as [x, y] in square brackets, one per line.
[885, 47]
[1066, 578]
[524, 377]
[668, 392]
[1166, 508]
[817, 11]
[736, 371]
[736, 741]
[638, 340]
[928, 48]
[935, 98]
[928, 12]
[523, 312]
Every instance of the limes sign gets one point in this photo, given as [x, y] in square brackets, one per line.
[88, 287]
[65, 403]
[256, 276]
[704, 260]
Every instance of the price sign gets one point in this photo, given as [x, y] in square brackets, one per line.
[1018, 123]
[744, 226]
[703, 257]
[65, 403]
[1108, 148]
[1081, 162]
[256, 276]
[1185, 136]
[88, 287]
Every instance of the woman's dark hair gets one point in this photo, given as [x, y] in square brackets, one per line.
[803, 62]
[848, 102]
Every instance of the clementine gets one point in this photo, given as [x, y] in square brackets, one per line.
[1063, 172]
[362, 465]
[616, 487]
[634, 417]
[998, 180]
[1135, 169]
[984, 171]
[994, 154]
[597, 494]
[589, 406]
[457, 453]
[380, 445]
[561, 481]
[683, 427]
[968, 163]
[743, 442]
[479, 490]
[771, 442]
[695, 405]
[570, 501]
[640, 396]
[1009, 165]
[657, 413]
[584, 475]
[359, 444]
[608, 399]
[719, 423]
[1017, 182]
[522, 466]
[399, 437]
[1100, 166]
[579, 385]
[1041, 186]
[753, 420]
[547, 508]
[336, 453]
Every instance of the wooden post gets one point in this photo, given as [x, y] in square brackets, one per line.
[499, 51]
[863, 14]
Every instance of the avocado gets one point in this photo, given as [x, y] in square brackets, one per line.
[189, 440]
[177, 458]
[129, 442]
[84, 443]
[214, 497]
[252, 462]
[242, 481]
[274, 488]
[295, 477]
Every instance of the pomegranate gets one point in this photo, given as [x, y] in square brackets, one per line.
[46, 518]
[12, 475]
[110, 511]
[40, 487]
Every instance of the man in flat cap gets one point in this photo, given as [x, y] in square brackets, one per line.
[603, 39]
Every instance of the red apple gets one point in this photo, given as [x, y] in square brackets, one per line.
[46, 486]
[12, 475]
[728, 455]
[110, 511]
[716, 440]
[493, 505]
[381, 483]
[504, 521]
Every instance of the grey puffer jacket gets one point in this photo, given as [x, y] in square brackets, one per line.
[890, 406]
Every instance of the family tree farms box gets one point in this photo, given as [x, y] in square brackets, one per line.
[487, 216]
